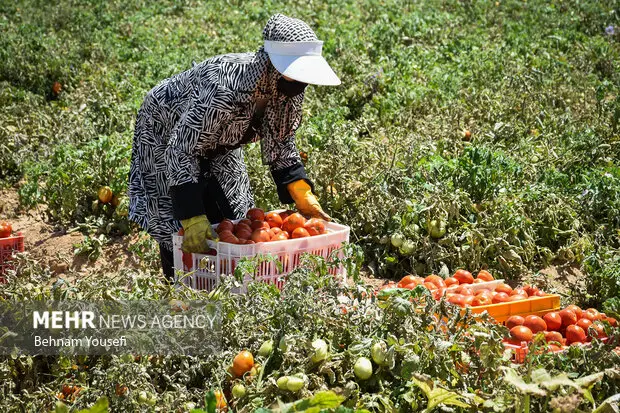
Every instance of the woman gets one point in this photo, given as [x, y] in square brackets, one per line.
[187, 167]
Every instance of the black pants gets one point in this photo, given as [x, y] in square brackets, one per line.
[217, 208]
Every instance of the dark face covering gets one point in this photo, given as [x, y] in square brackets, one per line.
[290, 88]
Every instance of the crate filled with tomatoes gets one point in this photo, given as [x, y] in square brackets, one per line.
[563, 328]
[10, 243]
[283, 235]
[483, 293]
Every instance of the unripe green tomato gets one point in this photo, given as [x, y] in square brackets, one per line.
[238, 391]
[397, 240]
[281, 382]
[362, 368]
[320, 350]
[142, 397]
[266, 348]
[379, 352]
[295, 383]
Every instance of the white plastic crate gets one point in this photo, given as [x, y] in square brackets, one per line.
[223, 258]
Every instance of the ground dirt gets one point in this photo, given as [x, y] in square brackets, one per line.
[55, 249]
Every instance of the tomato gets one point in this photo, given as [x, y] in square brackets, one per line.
[435, 279]
[315, 226]
[378, 352]
[503, 288]
[535, 323]
[464, 277]
[520, 333]
[464, 290]
[457, 299]
[255, 214]
[478, 281]
[612, 321]
[266, 348]
[568, 317]
[513, 321]
[105, 194]
[578, 312]
[438, 293]
[5, 229]
[300, 233]
[517, 297]
[362, 368]
[220, 401]
[261, 235]
[120, 390]
[500, 298]
[481, 299]
[554, 348]
[282, 236]
[540, 293]
[320, 350]
[294, 383]
[243, 231]
[575, 334]
[451, 281]
[282, 382]
[225, 225]
[468, 300]
[553, 321]
[286, 214]
[242, 363]
[273, 219]
[591, 314]
[554, 336]
[519, 291]
[584, 323]
[599, 330]
[142, 397]
[293, 221]
[238, 391]
[227, 236]
[430, 286]
[259, 224]
[485, 275]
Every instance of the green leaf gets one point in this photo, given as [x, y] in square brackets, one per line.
[609, 405]
[591, 380]
[542, 377]
[316, 403]
[437, 395]
[210, 402]
[511, 377]
[100, 406]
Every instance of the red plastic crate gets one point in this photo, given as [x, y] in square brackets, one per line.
[8, 246]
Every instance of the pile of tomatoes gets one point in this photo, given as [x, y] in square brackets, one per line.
[259, 226]
[560, 328]
[457, 289]
[5, 229]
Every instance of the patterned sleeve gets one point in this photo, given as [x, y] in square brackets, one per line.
[286, 168]
[210, 106]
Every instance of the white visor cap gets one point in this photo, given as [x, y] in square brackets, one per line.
[301, 61]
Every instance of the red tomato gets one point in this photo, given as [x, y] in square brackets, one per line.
[513, 321]
[464, 277]
[578, 312]
[584, 323]
[293, 222]
[520, 333]
[457, 299]
[261, 235]
[500, 298]
[517, 297]
[553, 321]
[469, 299]
[430, 286]
[315, 226]
[259, 224]
[485, 275]
[435, 279]
[478, 281]
[255, 214]
[481, 299]
[463, 289]
[554, 336]
[225, 225]
[575, 334]
[451, 281]
[273, 219]
[519, 291]
[300, 233]
[5, 229]
[599, 330]
[503, 288]
[568, 317]
[535, 323]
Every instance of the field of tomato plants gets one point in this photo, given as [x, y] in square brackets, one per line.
[481, 137]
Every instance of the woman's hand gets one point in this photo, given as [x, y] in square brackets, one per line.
[305, 201]
[197, 230]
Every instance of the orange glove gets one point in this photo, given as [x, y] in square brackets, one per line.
[305, 201]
